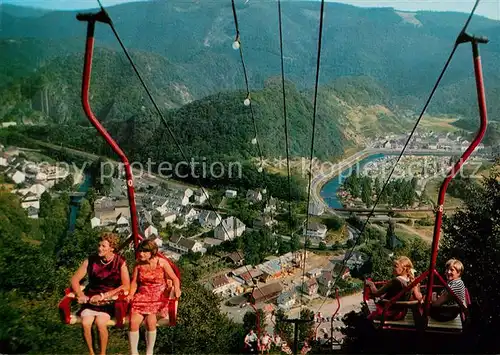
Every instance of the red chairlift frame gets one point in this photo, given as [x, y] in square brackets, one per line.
[431, 272]
[120, 304]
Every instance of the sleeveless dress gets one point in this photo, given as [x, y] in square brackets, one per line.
[102, 278]
[150, 298]
[394, 312]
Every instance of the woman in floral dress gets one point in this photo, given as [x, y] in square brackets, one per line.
[147, 294]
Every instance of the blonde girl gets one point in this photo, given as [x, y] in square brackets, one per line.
[404, 274]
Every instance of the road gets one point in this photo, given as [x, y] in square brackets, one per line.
[320, 178]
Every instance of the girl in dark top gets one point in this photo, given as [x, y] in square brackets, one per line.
[107, 275]
[445, 307]
[404, 275]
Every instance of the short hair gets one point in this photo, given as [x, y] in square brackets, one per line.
[111, 238]
[456, 264]
[148, 246]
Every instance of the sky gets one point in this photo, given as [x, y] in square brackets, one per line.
[488, 8]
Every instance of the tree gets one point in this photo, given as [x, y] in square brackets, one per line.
[334, 222]
[294, 242]
[250, 320]
[322, 246]
[390, 233]
[91, 196]
[45, 204]
[83, 213]
[306, 330]
[284, 329]
[472, 235]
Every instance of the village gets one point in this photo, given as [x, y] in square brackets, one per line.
[275, 283]
[424, 140]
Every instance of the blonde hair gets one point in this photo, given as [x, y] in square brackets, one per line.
[407, 266]
[456, 264]
[111, 238]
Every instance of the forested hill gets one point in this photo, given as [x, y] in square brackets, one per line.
[219, 126]
[55, 87]
[402, 51]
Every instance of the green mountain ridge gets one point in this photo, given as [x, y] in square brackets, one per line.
[58, 83]
[217, 126]
[404, 55]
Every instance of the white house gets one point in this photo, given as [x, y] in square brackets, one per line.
[224, 286]
[122, 221]
[170, 217]
[271, 205]
[189, 213]
[150, 230]
[316, 209]
[36, 189]
[18, 177]
[188, 192]
[286, 300]
[316, 230]
[4, 162]
[209, 219]
[230, 193]
[325, 283]
[30, 200]
[254, 196]
[200, 196]
[95, 222]
[229, 229]
[184, 246]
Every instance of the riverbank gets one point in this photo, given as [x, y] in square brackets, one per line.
[321, 178]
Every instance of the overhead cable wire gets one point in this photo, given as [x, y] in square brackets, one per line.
[164, 121]
[443, 71]
[248, 100]
[285, 118]
[315, 101]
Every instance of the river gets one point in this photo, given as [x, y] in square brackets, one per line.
[75, 202]
[329, 190]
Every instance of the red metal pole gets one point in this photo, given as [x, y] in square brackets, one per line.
[479, 136]
[87, 71]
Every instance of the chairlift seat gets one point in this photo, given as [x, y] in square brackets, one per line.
[121, 310]
[407, 321]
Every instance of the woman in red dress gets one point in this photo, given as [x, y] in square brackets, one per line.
[147, 294]
[108, 275]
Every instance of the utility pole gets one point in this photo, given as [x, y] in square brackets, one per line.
[296, 323]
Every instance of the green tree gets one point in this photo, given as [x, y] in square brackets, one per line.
[472, 236]
[306, 330]
[334, 222]
[45, 204]
[284, 329]
[250, 321]
[294, 242]
[83, 213]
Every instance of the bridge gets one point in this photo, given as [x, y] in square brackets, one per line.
[419, 151]
[76, 194]
[387, 210]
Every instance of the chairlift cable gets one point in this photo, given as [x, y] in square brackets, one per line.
[164, 121]
[358, 238]
[285, 118]
[318, 63]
